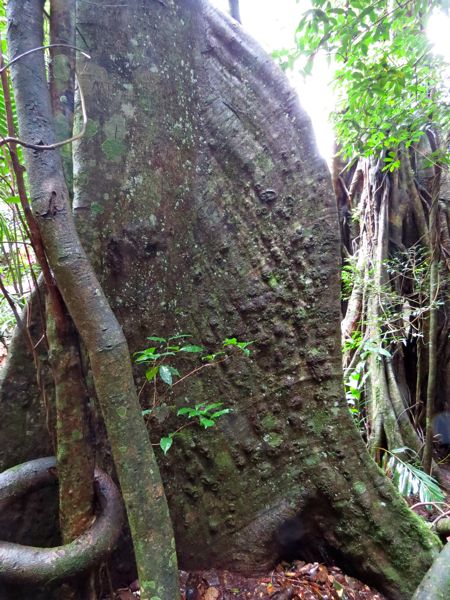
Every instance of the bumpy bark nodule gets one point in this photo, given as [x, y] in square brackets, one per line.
[206, 209]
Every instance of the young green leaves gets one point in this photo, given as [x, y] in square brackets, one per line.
[159, 358]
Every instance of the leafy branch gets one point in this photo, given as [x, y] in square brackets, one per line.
[409, 478]
[156, 358]
[390, 85]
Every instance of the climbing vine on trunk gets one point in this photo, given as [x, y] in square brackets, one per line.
[81, 292]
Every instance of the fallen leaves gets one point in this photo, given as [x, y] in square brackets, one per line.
[295, 581]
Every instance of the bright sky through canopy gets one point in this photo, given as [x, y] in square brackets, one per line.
[439, 33]
[273, 25]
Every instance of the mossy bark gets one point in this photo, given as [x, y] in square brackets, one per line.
[436, 583]
[108, 351]
[62, 77]
[206, 209]
[74, 450]
[213, 196]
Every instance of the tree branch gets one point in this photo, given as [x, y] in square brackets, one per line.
[235, 10]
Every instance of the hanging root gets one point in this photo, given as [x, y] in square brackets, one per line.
[32, 565]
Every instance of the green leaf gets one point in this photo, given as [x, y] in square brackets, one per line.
[174, 371]
[179, 336]
[166, 443]
[212, 357]
[192, 348]
[208, 407]
[219, 413]
[206, 422]
[243, 345]
[12, 200]
[384, 352]
[165, 374]
[150, 374]
[152, 357]
[410, 479]
[145, 352]
[400, 450]
[154, 338]
[307, 69]
[186, 410]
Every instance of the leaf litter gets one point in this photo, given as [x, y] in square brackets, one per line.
[288, 581]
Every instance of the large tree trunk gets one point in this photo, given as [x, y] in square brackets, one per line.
[206, 209]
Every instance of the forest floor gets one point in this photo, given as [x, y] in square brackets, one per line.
[288, 581]
[295, 581]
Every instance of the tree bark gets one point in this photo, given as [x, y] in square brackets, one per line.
[75, 451]
[206, 209]
[108, 351]
[35, 565]
[436, 583]
[398, 303]
[434, 311]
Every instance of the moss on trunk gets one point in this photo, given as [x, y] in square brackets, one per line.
[206, 209]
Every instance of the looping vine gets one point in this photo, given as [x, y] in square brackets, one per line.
[34, 565]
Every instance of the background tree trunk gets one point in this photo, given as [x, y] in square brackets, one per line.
[235, 11]
[206, 209]
[396, 319]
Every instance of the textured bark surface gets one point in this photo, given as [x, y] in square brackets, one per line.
[436, 583]
[75, 454]
[23, 422]
[206, 209]
[134, 460]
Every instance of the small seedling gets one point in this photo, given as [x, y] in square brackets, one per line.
[156, 358]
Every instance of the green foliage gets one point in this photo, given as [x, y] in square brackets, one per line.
[18, 267]
[241, 345]
[405, 298]
[347, 280]
[409, 478]
[405, 304]
[350, 276]
[157, 357]
[355, 378]
[390, 85]
[205, 414]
